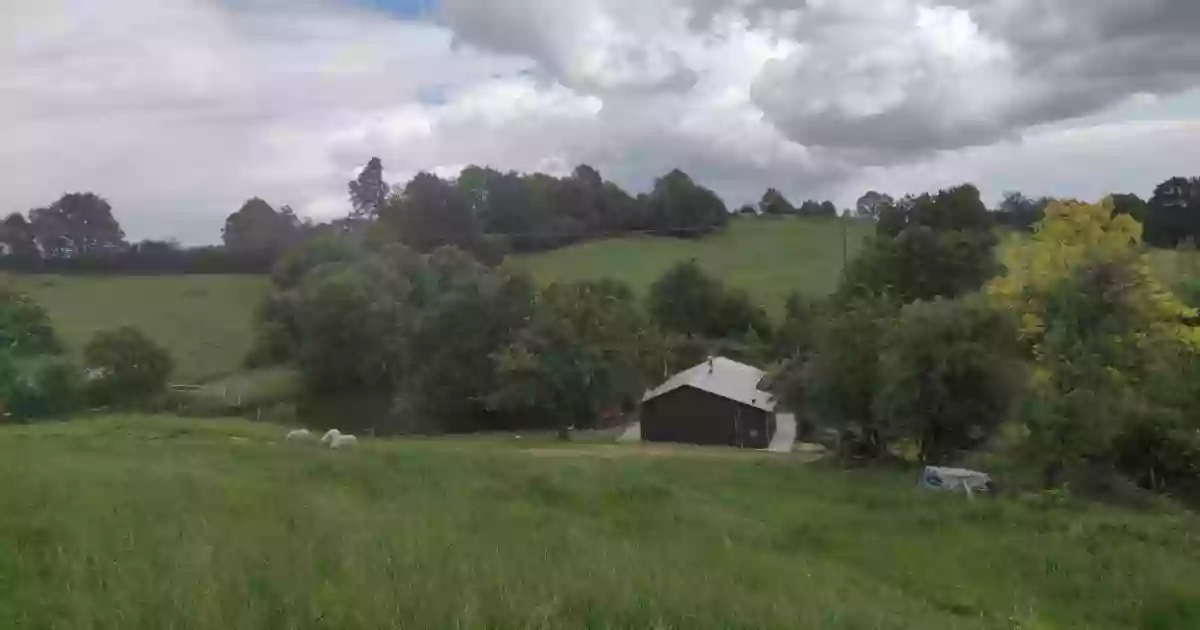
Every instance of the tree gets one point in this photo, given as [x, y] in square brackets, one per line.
[926, 247]
[949, 377]
[775, 204]
[688, 301]
[256, 229]
[467, 314]
[1131, 205]
[1173, 215]
[836, 381]
[581, 354]
[433, 213]
[277, 335]
[76, 225]
[352, 320]
[679, 207]
[797, 334]
[1099, 330]
[415, 332]
[369, 193]
[128, 367]
[871, 204]
[827, 209]
[810, 208]
[1020, 212]
[17, 237]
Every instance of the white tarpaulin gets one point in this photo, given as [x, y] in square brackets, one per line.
[954, 479]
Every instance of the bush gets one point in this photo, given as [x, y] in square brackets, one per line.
[125, 367]
[47, 388]
[25, 328]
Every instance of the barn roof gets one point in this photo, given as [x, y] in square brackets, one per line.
[723, 377]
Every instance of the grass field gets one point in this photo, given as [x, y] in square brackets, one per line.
[151, 523]
[769, 258]
[205, 321]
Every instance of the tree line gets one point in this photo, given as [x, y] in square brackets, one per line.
[486, 212]
[483, 211]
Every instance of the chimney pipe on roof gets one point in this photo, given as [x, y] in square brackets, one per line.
[710, 365]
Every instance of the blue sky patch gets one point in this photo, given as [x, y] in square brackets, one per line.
[404, 8]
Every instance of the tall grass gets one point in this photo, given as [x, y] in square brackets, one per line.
[161, 523]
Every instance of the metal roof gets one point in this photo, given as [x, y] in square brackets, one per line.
[723, 377]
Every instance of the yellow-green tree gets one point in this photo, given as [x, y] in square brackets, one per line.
[1097, 326]
[1074, 236]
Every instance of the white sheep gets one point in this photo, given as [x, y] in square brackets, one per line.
[343, 441]
[299, 434]
[336, 439]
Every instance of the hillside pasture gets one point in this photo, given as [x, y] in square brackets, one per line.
[768, 257]
[156, 522]
[205, 321]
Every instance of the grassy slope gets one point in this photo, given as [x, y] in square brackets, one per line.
[205, 321]
[155, 523]
[769, 258]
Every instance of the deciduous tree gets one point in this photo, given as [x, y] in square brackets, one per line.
[775, 204]
[871, 204]
[76, 225]
[257, 229]
[582, 353]
[369, 192]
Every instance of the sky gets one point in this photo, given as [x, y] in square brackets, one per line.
[177, 111]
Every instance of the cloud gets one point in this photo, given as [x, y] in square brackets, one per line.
[179, 110]
[894, 78]
[596, 45]
[1087, 161]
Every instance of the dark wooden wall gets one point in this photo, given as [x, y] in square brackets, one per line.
[693, 416]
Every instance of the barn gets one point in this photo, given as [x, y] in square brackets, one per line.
[715, 403]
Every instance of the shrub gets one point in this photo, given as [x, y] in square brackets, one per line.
[25, 328]
[125, 367]
[47, 388]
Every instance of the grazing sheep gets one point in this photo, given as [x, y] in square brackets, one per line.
[330, 436]
[343, 441]
[299, 434]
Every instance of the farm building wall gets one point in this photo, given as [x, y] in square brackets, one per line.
[694, 416]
